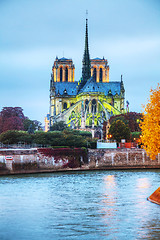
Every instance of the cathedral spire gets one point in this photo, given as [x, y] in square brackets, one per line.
[86, 64]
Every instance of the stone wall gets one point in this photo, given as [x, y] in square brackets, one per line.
[13, 161]
[121, 158]
[39, 160]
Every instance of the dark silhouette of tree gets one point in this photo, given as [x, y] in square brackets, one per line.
[36, 125]
[59, 126]
[119, 131]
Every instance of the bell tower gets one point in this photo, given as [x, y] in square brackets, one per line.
[100, 69]
[63, 70]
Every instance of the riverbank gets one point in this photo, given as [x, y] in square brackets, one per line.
[21, 161]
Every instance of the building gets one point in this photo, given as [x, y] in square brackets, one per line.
[87, 103]
[47, 123]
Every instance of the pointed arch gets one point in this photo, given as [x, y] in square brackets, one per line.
[66, 74]
[61, 74]
[100, 74]
[64, 105]
[94, 106]
[95, 73]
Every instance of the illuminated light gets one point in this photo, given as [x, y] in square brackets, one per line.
[143, 183]
[110, 178]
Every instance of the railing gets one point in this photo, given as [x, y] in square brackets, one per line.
[22, 145]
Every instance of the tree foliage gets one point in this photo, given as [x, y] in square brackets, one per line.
[132, 119]
[119, 130]
[68, 137]
[36, 125]
[135, 135]
[11, 118]
[150, 125]
[59, 126]
[14, 137]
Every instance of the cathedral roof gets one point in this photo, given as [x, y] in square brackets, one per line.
[63, 59]
[115, 87]
[90, 86]
[97, 58]
[101, 87]
[66, 88]
[70, 88]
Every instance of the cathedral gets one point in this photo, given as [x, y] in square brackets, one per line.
[87, 103]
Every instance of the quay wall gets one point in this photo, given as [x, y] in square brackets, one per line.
[121, 158]
[16, 161]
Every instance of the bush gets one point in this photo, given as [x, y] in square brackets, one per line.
[71, 138]
[93, 144]
[85, 134]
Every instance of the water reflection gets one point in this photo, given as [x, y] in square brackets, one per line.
[86, 205]
[143, 183]
[108, 201]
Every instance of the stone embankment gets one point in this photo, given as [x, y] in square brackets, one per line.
[121, 159]
[15, 161]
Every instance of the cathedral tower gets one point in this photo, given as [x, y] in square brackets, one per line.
[63, 70]
[100, 69]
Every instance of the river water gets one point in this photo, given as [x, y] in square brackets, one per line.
[79, 205]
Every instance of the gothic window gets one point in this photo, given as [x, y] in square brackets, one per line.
[95, 73]
[94, 106]
[86, 105]
[66, 74]
[64, 105]
[100, 75]
[61, 74]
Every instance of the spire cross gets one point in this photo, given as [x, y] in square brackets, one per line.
[87, 14]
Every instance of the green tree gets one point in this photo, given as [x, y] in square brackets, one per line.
[36, 125]
[119, 130]
[58, 126]
[132, 119]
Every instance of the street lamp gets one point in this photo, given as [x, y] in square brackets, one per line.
[109, 136]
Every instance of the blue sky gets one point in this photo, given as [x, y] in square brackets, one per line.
[34, 32]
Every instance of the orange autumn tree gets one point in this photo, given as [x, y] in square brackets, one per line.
[150, 125]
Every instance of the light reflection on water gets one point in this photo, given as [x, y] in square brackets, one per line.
[84, 205]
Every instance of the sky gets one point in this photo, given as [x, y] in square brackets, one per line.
[34, 32]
